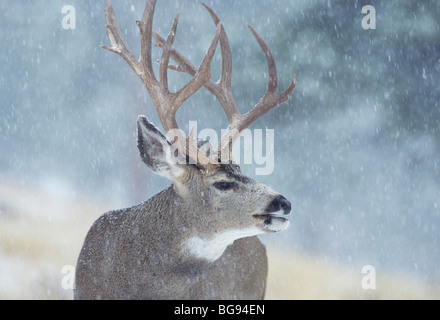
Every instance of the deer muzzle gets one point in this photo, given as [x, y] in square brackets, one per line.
[274, 218]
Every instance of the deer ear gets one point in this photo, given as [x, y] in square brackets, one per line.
[153, 147]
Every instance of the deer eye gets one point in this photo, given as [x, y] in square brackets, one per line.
[225, 185]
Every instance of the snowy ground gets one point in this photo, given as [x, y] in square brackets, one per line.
[40, 234]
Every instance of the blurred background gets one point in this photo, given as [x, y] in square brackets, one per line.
[357, 146]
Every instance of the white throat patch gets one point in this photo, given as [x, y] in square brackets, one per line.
[211, 249]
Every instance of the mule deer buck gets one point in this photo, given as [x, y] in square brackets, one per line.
[197, 238]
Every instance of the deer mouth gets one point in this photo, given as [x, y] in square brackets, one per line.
[271, 222]
[274, 217]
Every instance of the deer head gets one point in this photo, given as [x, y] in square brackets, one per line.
[223, 205]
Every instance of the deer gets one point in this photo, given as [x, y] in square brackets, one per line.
[198, 238]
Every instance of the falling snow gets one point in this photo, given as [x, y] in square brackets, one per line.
[357, 146]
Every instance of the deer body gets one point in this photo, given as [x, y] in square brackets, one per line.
[197, 238]
[131, 260]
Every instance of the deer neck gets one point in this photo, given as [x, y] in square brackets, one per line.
[191, 240]
[209, 249]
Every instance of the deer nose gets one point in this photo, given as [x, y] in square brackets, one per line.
[279, 203]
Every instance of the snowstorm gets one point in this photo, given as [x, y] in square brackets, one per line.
[355, 149]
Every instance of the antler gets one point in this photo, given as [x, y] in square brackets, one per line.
[223, 91]
[165, 102]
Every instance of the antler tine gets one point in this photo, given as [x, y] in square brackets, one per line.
[270, 62]
[270, 99]
[117, 42]
[202, 76]
[163, 70]
[145, 27]
[184, 64]
[222, 89]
